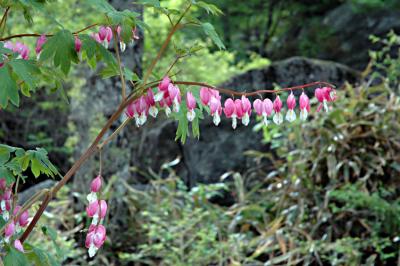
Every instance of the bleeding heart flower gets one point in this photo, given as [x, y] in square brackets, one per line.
[39, 44]
[9, 231]
[277, 105]
[263, 108]
[18, 245]
[246, 109]
[175, 95]
[78, 44]
[304, 106]
[153, 111]
[291, 104]
[191, 105]
[230, 111]
[205, 95]
[95, 238]
[215, 110]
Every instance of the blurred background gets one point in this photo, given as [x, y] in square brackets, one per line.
[324, 192]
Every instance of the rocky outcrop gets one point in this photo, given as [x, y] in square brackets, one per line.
[221, 149]
[342, 35]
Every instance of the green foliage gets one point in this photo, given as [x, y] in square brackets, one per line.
[14, 161]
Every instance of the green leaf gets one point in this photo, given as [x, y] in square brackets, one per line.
[4, 155]
[15, 258]
[153, 3]
[39, 162]
[209, 8]
[8, 88]
[183, 124]
[25, 70]
[6, 173]
[109, 71]
[39, 257]
[210, 31]
[129, 75]
[101, 5]
[60, 47]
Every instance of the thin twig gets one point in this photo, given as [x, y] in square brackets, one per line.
[47, 35]
[3, 19]
[114, 134]
[119, 65]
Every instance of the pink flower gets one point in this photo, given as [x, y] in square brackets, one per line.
[277, 106]
[291, 104]
[135, 34]
[39, 44]
[23, 218]
[153, 111]
[162, 89]
[122, 45]
[95, 238]
[246, 109]
[105, 35]
[191, 105]
[325, 95]
[7, 194]
[78, 44]
[238, 108]
[263, 108]
[92, 209]
[304, 106]
[96, 37]
[22, 50]
[9, 230]
[230, 111]
[3, 183]
[18, 245]
[95, 186]
[215, 110]
[175, 95]
[205, 95]
[103, 209]
[130, 110]
[9, 45]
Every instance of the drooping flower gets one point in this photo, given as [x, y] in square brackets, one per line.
[191, 105]
[122, 45]
[277, 105]
[135, 33]
[216, 110]
[205, 95]
[175, 95]
[9, 230]
[246, 109]
[39, 44]
[324, 95]
[23, 218]
[78, 44]
[95, 186]
[95, 238]
[18, 245]
[162, 89]
[3, 183]
[105, 35]
[263, 108]
[291, 104]
[151, 103]
[230, 111]
[304, 102]
[96, 37]
[97, 210]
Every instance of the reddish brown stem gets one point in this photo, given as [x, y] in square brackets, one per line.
[254, 93]
[47, 35]
[3, 19]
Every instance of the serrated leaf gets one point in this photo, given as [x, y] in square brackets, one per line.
[209, 8]
[8, 88]
[25, 70]
[109, 71]
[6, 173]
[60, 47]
[129, 75]
[210, 31]
[183, 124]
[153, 3]
[101, 5]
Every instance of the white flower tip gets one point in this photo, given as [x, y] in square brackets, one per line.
[291, 116]
[191, 115]
[158, 97]
[153, 111]
[92, 250]
[92, 196]
[216, 119]
[278, 118]
[122, 46]
[167, 111]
